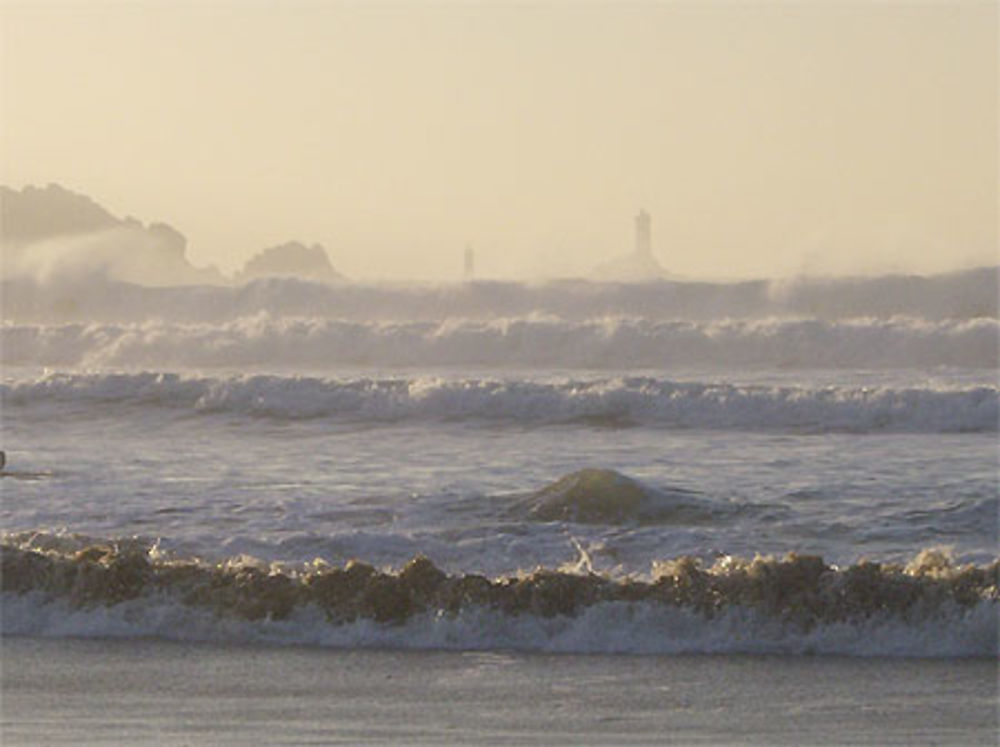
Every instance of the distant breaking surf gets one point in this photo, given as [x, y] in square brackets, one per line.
[969, 294]
[611, 343]
[635, 401]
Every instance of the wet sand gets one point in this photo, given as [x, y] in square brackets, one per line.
[87, 691]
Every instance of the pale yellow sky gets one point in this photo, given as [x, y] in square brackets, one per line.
[764, 138]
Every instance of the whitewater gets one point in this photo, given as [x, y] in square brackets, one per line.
[788, 467]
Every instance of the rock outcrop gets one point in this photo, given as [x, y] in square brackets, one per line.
[51, 231]
[292, 259]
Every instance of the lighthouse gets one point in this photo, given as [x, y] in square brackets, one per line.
[639, 265]
[469, 269]
[643, 235]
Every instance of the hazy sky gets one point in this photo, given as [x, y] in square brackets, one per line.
[764, 138]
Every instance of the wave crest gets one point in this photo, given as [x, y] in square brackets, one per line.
[625, 401]
[797, 597]
[611, 343]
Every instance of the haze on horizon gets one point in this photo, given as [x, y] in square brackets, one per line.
[764, 139]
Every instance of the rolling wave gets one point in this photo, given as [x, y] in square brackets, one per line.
[797, 604]
[621, 402]
[967, 294]
[612, 343]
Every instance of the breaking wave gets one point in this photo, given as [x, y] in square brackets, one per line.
[621, 402]
[797, 604]
[611, 343]
[960, 295]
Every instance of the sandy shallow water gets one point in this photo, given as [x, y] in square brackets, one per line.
[99, 691]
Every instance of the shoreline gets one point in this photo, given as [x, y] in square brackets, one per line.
[118, 691]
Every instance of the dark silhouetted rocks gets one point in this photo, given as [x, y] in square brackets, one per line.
[292, 259]
[36, 213]
[53, 231]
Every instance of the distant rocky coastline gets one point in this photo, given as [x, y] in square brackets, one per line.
[50, 232]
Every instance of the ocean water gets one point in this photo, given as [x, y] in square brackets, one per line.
[573, 467]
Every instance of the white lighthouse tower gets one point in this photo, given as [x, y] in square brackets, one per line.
[469, 269]
[639, 265]
[643, 235]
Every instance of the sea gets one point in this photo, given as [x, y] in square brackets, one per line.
[802, 466]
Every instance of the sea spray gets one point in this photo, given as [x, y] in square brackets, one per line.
[90, 296]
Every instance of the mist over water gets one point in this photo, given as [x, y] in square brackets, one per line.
[93, 297]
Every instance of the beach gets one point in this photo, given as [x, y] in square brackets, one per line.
[132, 691]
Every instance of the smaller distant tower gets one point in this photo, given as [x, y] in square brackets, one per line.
[643, 234]
[470, 264]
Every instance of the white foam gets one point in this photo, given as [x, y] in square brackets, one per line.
[623, 628]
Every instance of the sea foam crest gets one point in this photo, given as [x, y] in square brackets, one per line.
[931, 607]
[620, 401]
[608, 343]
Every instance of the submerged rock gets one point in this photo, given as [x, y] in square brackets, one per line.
[604, 496]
